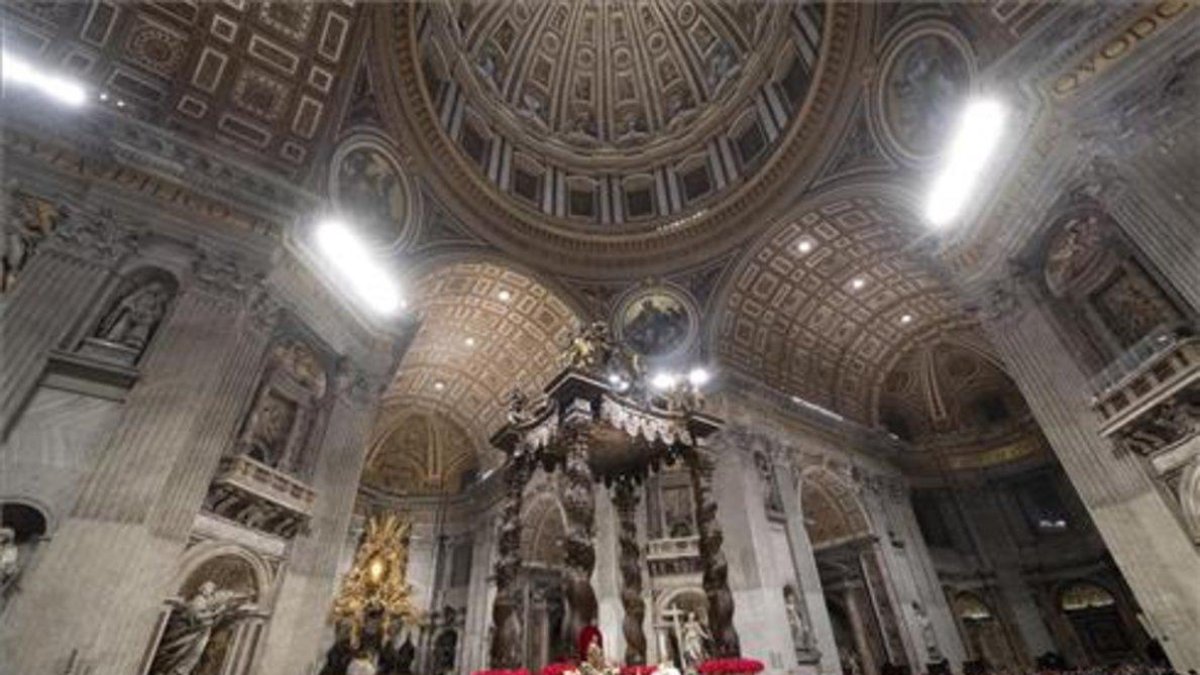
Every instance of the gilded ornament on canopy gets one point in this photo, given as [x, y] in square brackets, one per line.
[376, 587]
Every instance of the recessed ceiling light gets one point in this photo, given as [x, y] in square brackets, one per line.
[805, 245]
[120, 104]
[857, 283]
[976, 137]
[470, 342]
[907, 318]
[103, 96]
[504, 296]
[439, 385]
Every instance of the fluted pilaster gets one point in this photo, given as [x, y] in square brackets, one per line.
[1146, 539]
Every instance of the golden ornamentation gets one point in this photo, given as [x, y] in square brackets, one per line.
[376, 587]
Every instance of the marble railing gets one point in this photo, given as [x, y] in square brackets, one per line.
[257, 496]
[1156, 405]
[676, 555]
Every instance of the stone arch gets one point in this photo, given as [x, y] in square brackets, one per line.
[543, 528]
[833, 512]
[791, 315]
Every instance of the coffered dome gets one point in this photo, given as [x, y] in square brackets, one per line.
[612, 130]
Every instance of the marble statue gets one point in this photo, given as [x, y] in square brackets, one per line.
[694, 641]
[9, 557]
[267, 429]
[928, 636]
[801, 635]
[135, 316]
[191, 625]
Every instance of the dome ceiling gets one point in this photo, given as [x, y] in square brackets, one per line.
[613, 138]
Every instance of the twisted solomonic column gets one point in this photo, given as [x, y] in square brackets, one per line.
[715, 570]
[580, 509]
[507, 632]
[625, 498]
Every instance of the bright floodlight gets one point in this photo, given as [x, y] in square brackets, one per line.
[355, 264]
[663, 381]
[698, 377]
[975, 139]
[19, 72]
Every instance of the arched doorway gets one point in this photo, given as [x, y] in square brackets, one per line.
[982, 631]
[1093, 614]
[542, 582]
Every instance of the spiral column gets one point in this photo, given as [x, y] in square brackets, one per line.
[716, 569]
[578, 501]
[625, 498]
[507, 631]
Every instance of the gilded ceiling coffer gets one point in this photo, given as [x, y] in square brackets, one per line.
[598, 420]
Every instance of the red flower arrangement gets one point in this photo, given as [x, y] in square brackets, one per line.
[501, 671]
[638, 670]
[560, 668]
[730, 667]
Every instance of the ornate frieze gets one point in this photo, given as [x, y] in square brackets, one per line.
[1156, 405]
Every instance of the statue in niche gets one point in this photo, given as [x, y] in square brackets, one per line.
[191, 626]
[695, 641]
[133, 319]
[10, 561]
[773, 501]
[801, 635]
[298, 361]
[928, 635]
[267, 429]
[632, 127]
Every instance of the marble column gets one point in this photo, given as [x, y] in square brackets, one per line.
[823, 647]
[310, 581]
[625, 498]
[715, 568]
[56, 290]
[1146, 539]
[508, 641]
[100, 583]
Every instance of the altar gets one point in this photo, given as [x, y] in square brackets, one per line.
[604, 424]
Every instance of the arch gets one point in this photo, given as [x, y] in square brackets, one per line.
[824, 322]
[543, 528]
[833, 512]
[48, 519]
[1084, 594]
[203, 556]
[486, 327]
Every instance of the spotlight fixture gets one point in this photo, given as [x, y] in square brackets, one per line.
[439, 385]
[698, 377]
[975, 139]
[470, 342]
[120, 104]
[857, 283]
[663, 381]
[805, 245]
[906, 319]
[355, 264]
[19, 72]
[504, 296]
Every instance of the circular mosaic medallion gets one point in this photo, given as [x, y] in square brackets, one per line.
[657, 322]
[370, 190]
[926, 79]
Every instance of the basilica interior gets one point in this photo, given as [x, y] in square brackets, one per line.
[544, 337]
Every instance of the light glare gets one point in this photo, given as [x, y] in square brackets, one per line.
[20, 72]
[975, 139]
[698, 377]
[663, 381]
[355, 264]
